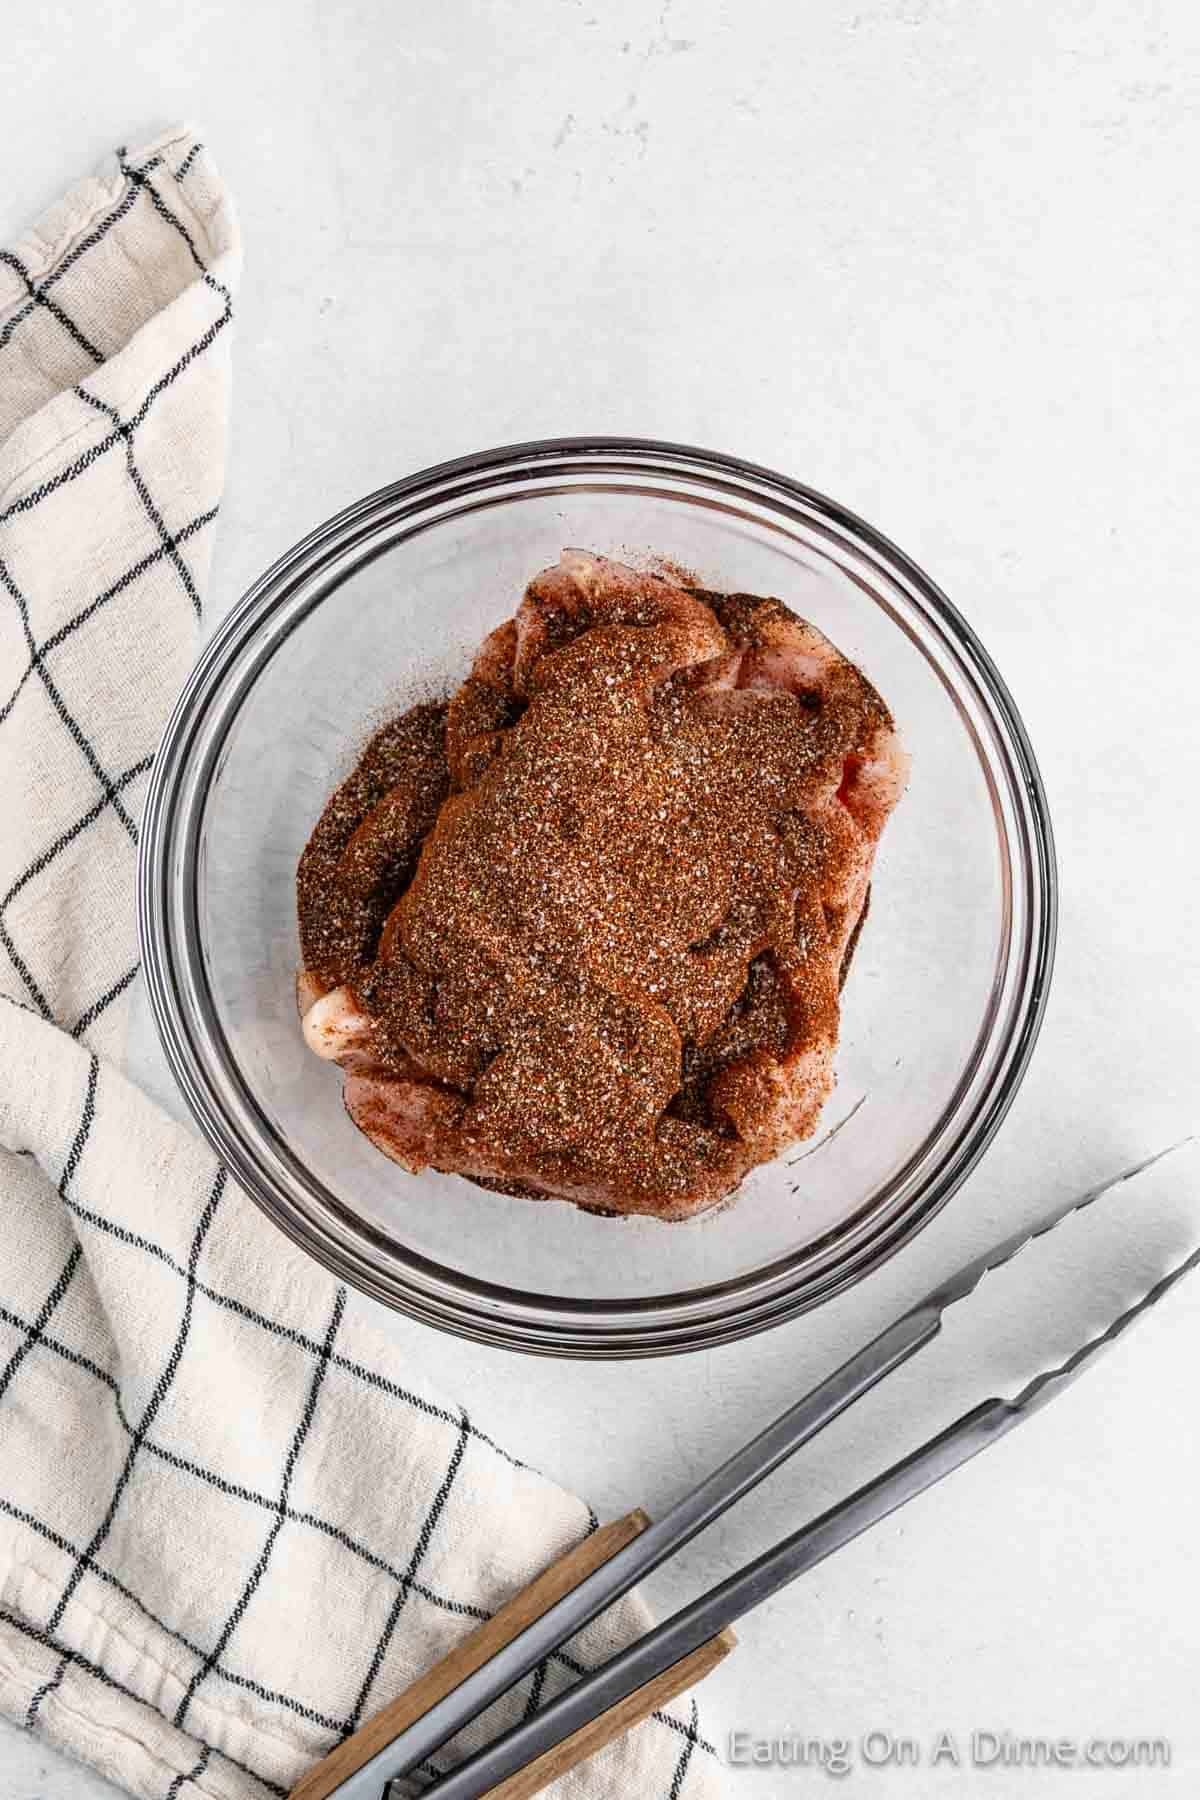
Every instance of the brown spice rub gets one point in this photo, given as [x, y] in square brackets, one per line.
[584, 928]
[364, 850]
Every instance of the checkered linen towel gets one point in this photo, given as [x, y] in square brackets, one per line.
[230, 1527]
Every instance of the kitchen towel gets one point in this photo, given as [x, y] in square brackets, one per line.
[231, 1527]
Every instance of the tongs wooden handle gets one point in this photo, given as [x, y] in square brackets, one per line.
[483, 1643]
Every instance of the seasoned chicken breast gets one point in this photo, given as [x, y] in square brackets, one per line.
[581, 932]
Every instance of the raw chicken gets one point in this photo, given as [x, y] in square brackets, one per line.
[581, 933]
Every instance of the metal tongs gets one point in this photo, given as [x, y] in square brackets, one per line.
[677, 1653]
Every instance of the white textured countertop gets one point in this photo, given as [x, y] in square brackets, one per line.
[940, 262]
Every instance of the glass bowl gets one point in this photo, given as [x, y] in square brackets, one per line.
[386, 603]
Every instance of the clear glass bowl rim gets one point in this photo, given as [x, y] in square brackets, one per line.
[224, 1110]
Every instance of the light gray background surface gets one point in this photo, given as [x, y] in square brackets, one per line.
[940, 261]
